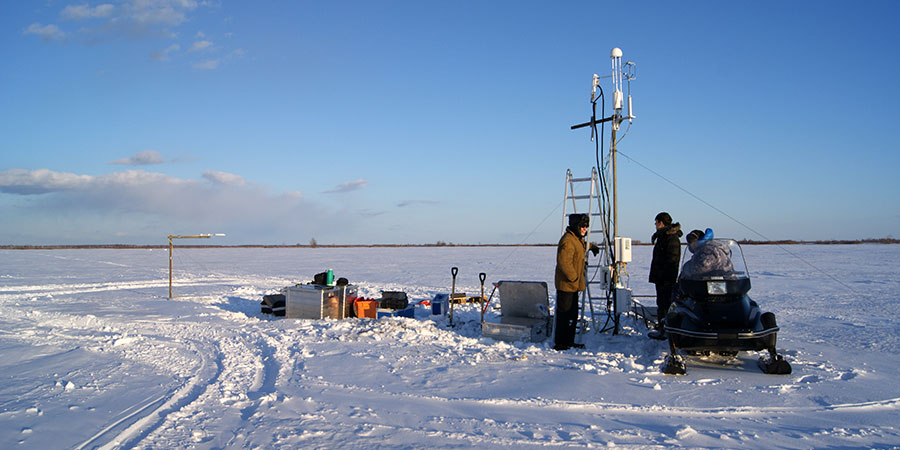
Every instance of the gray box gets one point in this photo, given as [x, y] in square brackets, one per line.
[517, 329]
[317, 301]
[524, 312]
[623, 300]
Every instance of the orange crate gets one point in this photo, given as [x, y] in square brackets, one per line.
[366, 308]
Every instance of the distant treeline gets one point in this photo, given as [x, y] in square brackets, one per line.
[164, 246]
[793, 242]
[437, 244]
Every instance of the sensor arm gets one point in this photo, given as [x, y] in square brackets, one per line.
[592, 122]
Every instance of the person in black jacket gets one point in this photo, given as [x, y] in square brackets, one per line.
[664, 265]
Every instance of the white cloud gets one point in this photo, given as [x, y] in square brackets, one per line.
[46, 32]
[157, 12]
[41, 181]
[224, 178]
[140, 19]
[200, 45]
[149, 204]
[348, 186]
[209, 64]
[84, 12]
[163, 55]
[134, 19]
[212, 64]
[405, 203]
[144, 158]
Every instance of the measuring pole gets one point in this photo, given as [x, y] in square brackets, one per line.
[172, 251]
[615, 184]
[621, 73]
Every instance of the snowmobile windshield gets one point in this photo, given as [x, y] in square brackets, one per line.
[716, 259]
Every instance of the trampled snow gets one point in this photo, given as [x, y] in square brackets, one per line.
[96, 356]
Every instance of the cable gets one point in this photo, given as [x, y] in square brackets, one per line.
[738, 222]
[499, 266]
[604, 199]
[625, 133]
[604, 189]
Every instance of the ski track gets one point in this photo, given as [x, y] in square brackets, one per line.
[242, 380]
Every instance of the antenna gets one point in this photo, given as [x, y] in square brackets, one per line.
[630, 74]
[616, 56]
[621, 74]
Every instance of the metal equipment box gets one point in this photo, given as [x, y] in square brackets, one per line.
[623, 249]
[517, 329]
[318, 301]
[623, 300]
[524, 312]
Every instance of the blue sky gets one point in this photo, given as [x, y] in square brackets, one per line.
[416, 122]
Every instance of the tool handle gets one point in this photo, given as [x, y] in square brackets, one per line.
[454, 271]
[482, 276]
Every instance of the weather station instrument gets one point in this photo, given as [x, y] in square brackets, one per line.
[608, 276]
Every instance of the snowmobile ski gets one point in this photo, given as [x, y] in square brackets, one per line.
[774, 365]
[674, 365]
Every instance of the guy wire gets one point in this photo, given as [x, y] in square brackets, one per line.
[499, 266]
[737, 221]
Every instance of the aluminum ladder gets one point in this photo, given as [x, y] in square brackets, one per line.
[594, 209]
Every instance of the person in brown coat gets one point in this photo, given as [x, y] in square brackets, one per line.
[569, 279]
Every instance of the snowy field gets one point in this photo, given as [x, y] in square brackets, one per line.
[96, 356]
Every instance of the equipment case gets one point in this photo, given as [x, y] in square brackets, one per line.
[317, 301]
[524, 313]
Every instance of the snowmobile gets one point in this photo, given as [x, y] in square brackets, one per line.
[712, 313]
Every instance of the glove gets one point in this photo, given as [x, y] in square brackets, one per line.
[595, 249]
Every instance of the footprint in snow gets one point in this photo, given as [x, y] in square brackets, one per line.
[809, 379]
[847, 376]
[770, 274]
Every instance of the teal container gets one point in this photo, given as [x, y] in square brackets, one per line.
[329, 278]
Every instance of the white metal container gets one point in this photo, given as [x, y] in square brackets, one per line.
[524, 312]
[623, 249]
[316, 301]
[512, 329]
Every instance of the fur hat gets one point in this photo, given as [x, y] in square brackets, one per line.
[579, 220]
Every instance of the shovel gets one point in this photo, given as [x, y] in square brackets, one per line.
[453, 271]
[482, 276]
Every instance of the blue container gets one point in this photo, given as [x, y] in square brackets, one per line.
[440, 305]
[409, 311]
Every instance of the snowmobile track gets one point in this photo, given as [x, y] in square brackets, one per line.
[148, 417]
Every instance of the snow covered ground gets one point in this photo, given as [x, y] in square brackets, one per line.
[96, 356]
